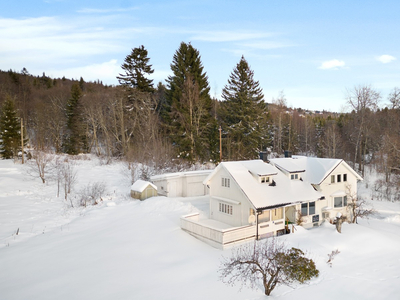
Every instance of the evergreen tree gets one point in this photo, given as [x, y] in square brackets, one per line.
[75, 139]
[243, 113]
[188, 107]
[136, 66]
[10, 130]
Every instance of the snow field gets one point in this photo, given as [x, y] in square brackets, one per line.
[136, 250]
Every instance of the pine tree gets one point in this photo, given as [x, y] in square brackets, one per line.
[243, 113]
[135, 66]
[10, 130]
[188, 106]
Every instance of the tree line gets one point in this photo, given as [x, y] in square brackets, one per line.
[179, 120]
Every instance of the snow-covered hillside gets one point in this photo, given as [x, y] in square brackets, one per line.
[127, 249]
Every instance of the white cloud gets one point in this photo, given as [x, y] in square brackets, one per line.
[334, 64]
[385, 58]
[106, 71]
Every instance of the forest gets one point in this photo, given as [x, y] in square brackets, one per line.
[178, 124]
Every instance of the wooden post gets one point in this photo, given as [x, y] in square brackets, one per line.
[22, 140]
[220, 144]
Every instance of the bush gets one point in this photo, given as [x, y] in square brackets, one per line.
[91, 193]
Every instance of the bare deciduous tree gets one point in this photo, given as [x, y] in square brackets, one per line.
[394, 98]
[39, 164]
[358, 207]
[270, 262]
[363, 100]
[68, 174]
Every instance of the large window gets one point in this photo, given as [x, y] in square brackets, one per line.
[308, 208]
[340, 201]
[264, 216]
[226, 208]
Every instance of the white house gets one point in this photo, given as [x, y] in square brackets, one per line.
[255, 199]
[333, 178]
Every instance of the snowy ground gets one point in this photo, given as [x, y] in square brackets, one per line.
[136, 250]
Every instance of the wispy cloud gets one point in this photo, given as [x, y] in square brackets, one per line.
[52, 40]
[105, 11]
[228, 36]
[333, 64]
[385, 59]
[106, 71]
[266, 45]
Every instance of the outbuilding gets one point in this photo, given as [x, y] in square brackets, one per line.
[143, 189]
[182, 184]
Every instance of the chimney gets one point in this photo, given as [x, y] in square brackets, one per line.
[264, 156]
[288, 153]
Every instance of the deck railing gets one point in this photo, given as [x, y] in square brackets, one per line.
[217, 237]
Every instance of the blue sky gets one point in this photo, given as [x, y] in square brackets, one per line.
[312, 50]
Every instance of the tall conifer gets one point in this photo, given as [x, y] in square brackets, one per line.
[136, 66]
[243, 113]
[75, 141]
[10, 130]
[188, 105]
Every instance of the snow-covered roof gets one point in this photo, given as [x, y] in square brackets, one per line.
[316, 169]
[181, 174]
[264, 195]
[288, 165]
[260, 169]
[141, 185]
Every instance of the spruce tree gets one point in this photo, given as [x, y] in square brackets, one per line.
[188, 106]
[136, 66]
[10, 130]
[75, 141]
[243, 113]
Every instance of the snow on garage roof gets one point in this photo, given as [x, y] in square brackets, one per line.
[141, 185]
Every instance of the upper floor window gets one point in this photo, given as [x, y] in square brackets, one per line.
[226, 182]
[264, 179]
[294, 176]
[339, 178]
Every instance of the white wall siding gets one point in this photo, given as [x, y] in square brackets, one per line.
[184, 184]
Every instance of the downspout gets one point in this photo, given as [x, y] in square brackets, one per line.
[257, 224]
